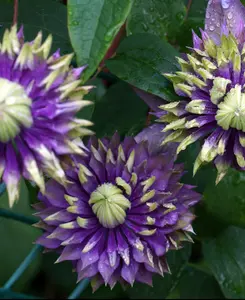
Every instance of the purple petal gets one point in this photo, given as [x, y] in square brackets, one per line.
[225, 13]
[129, 272]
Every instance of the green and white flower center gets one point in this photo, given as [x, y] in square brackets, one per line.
[231, 111]
[15, 109]
[109, 205]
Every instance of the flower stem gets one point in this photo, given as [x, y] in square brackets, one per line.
[188, 9]
[5, 213]
[22, 267]
[16, 6]
[8, 294]
[2, 188]
[79, 289]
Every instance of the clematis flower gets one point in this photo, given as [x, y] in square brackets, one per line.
[122, 211]
[211, 82]
[39, 96]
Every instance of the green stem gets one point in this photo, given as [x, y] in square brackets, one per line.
[8, 294]
[22, 267]
[79, 289]
[2, 188]
[5, 213]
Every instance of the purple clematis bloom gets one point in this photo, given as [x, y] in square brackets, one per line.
[212, 81]
[39, 96]
[122, 211]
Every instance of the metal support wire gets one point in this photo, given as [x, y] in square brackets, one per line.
[79, 289]
[8, 294]
[22, 267]
[5, 291]
[2, 188]
[8, 214]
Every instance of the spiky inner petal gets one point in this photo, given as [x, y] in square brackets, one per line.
[15, 109]
[109, 204]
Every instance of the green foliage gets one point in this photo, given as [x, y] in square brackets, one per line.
[112, 112]
[226, 201]
[92, 26]
[46, 16]
[155, 32]
[225, 256]
[140, 61]
[161, 18]
[16, 241]
[195, 284]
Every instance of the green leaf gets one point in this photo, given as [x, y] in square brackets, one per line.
[226, 201]
[94, 95]
[206, 225]
[162, 287]
[195, 284]
[194, 21]
[159, 17]
[141, 61]
[60, 275]
[120, 109]
[17, 241]
[204, 175]
[92, 27]
[225, 256]
[36, 15]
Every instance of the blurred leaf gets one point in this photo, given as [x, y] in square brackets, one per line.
[159, 17]
[205, 175]
[92, 27]
[195, 284]
[120, 109]
[36, 15]
[195, 21]
[141, 60]
[226, 200]
[17, 241]
[94, 95]
[162, 287]
[206, 225]
[59, 275]
[225, 256]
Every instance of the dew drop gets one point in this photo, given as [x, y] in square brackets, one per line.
[208, 15]
[218, 24]
[225, 3]
[145, 27]
[230, 15]
[211, 28]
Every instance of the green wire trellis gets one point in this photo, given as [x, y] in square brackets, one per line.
[5, 291]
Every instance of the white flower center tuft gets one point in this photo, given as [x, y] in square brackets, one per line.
[14, 109]
[231, 112]
[109, 204]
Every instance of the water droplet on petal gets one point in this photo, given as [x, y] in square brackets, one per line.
[211, 28]
[145, 27]
[230, 15]
[225, 3]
